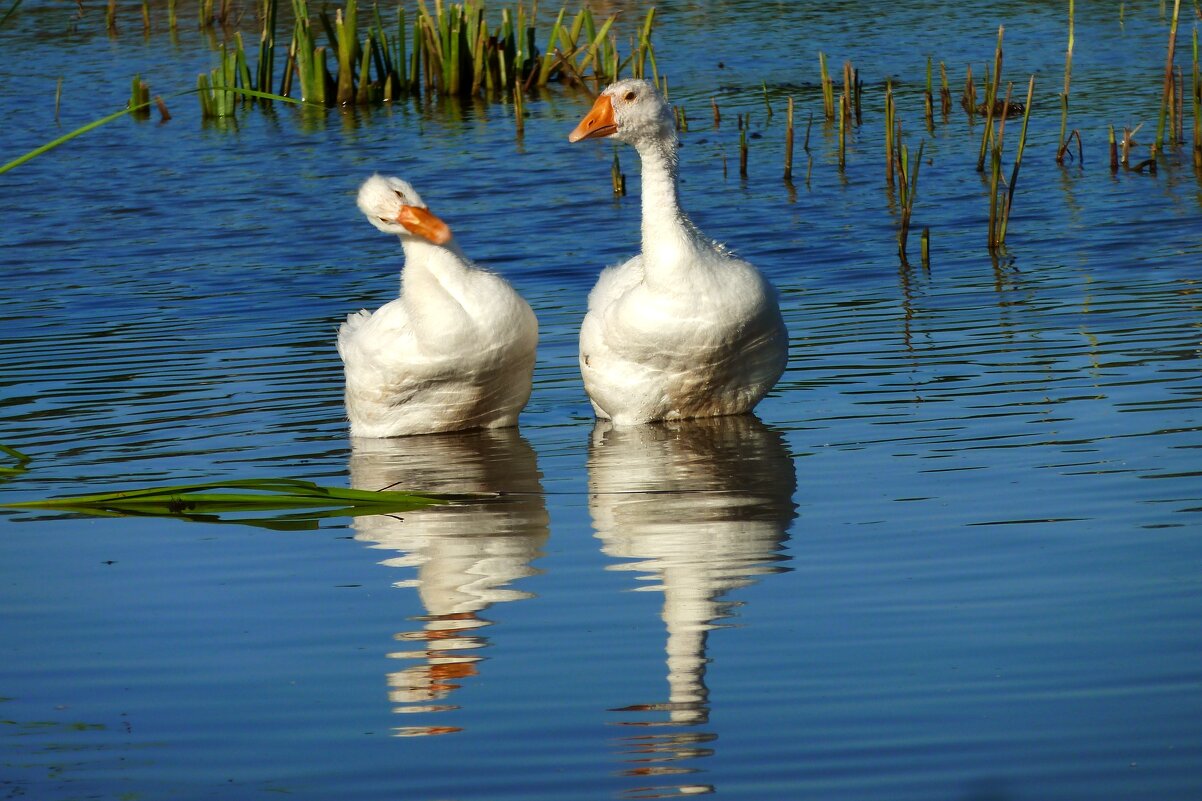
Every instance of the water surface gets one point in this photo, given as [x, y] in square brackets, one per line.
[954, 555]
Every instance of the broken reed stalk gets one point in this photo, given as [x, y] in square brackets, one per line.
[110, 17]
[145, 18]
[945, 93]
[1167, 97]
[969, 98]
[926, 248]
[58, 100]
[1018, 160]
[172, 20]
[139, 98]
[1068, 72]
[843, 130]
[1114, 151]
[828, 88]
[991, 91]
[519, 110]
[717, 114]
[742, 151]
[617, 177]
[789, 140]
[767, 105]
[849, 88]
[929, 98]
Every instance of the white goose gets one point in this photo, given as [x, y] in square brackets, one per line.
[683, 329]
[454, 351]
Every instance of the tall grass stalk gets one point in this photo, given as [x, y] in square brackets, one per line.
[991, 92]
[908, 189]
[1018, 160]
[969, 98]
[890, 121]
[995, 177]
[1068, 72]
[1114, 150]
[1169, 93]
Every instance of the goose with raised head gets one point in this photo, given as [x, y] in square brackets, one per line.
[454, 351]
[684, 329]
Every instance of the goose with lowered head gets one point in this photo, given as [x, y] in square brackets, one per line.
[454, 351]
[684, 329]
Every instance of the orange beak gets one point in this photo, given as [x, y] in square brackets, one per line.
[423, 223]
[597, 123]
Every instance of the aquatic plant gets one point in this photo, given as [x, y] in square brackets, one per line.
[1001, 199]
[789, 140]
[11, 10]
[1197, 103]
[199, 502]
[1168, 97]
[908, 189]
[21, 459]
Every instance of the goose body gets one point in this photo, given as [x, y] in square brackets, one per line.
[454, 351]
[684, 329]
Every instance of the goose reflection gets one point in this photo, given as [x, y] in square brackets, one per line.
[701, 508]
[466, 556]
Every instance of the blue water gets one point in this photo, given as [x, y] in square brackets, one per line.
[954, 556]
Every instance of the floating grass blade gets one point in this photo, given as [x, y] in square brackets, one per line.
[199, 502]
[21, 459]
[1166, 100]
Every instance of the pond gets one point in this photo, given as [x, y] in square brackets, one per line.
[954, 554]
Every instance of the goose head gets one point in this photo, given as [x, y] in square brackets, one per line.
[393, 206]
[630, 111]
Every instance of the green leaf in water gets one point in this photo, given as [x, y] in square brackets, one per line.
[197, 502]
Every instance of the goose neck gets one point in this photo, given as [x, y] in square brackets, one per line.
[666, 232]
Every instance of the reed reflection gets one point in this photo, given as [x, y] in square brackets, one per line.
[702, 508]
[466, 556]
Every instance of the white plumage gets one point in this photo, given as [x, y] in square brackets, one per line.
[454, 351]
[683, 329]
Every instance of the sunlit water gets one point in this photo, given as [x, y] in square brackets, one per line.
[955, 557]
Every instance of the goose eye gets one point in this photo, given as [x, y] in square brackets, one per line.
[630, 96]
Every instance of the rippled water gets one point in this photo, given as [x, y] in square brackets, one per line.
[955, 556]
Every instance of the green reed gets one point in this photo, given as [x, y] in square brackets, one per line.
[139, 98]
[1168, 96]
[907, 189]
[1018, 160]
[991, 93]
[308, 502]
[890, 122]
[945, 92]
